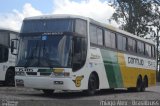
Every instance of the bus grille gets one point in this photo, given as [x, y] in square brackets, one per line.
[31, 73]
[40, 73]
[45, 73]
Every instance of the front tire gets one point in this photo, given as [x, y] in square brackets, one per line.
[139, 84]
[144, 85]
[10, 80]
[92, 84]
[138, 87]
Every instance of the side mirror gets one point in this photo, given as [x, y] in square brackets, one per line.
[14, 47]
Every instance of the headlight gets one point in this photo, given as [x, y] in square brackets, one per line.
[21, 73]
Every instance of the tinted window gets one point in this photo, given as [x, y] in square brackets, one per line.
[93, 36]
[113, 39]
[100, 36]
[53, 51]
[134, 45]
[109, 39]
[148, 50]
[140, 47]
[81, 27]
[3, 53]
[122, 43]
[79, 54]
[131, 45]
[153, 51]
[120, 40]
[4, 38]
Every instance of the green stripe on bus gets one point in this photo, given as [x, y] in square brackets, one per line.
[112, 68]
[45, 70]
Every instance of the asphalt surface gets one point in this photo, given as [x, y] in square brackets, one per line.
[31, 97]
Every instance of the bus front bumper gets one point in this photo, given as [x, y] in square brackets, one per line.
[45, 83]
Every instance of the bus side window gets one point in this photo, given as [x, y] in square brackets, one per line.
[134, 46]
[107, 38]
[100, 36]
[131, 45]
[122, 42]
[93, 34]
[148, 50]
[79, 52]
[153, 51]
[3, 53]
[81, 27]
[140, 47]
[110, 38]
[113, 40]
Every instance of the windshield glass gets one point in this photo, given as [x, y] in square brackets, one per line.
[45, 51]
[47, 25]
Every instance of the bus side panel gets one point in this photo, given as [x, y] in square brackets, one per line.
[131, 73]
[112, 68]
[127, 73]
[96, 64]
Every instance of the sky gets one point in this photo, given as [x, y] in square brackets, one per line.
[12, 12]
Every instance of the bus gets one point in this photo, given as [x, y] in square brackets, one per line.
[7, 58]
[75, 53]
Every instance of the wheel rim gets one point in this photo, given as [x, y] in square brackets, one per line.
[139, 86]
[92, 84]
[10, 78]
[144, 85]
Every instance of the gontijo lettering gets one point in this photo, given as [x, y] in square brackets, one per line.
[137, 61]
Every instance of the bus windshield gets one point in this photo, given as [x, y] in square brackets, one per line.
[45, 51]
[47, 25]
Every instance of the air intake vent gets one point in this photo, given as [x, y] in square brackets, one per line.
[31, 73]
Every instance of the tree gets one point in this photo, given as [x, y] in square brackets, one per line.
[137, 16]
[155, 25]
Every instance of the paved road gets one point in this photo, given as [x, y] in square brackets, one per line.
[64, 98]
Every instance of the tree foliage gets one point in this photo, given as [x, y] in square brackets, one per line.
[140, 17]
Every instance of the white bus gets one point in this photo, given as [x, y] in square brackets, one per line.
[7, 57]
[68, 52]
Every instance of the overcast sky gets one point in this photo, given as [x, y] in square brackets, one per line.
[12, 12]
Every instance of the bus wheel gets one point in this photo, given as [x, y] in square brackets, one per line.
[139, 84]
[9, 80]
[144, 84]
[92, 84]
[48, 92]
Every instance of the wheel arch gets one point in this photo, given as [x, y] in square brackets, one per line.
[97, 76]
[10, 76]
[11, 68]
[146, 78]
[139, 78]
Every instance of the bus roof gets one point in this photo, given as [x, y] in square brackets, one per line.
[8, 29]
[56, 16]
